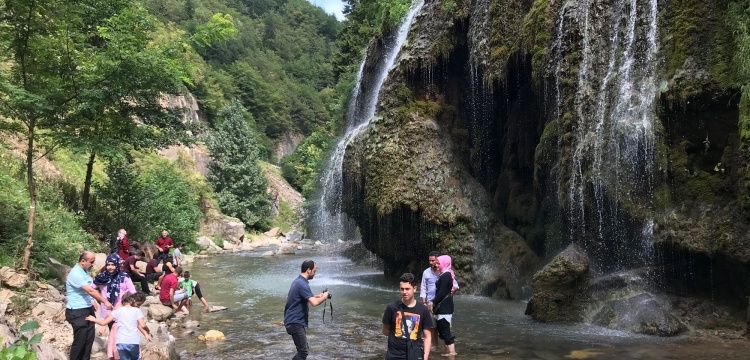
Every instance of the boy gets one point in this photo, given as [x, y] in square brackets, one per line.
[189, 285]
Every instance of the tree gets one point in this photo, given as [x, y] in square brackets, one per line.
[127, 73]
[39, 48]
[234, 174]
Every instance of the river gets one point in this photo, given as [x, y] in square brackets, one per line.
[254, 289]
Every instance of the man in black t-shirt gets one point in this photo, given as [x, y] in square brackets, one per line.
[408, 324]
[129, 266]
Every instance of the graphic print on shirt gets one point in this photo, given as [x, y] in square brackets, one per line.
[412, 324]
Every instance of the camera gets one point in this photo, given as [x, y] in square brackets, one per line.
[329, 294]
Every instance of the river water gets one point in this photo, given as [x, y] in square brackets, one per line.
[254, 289]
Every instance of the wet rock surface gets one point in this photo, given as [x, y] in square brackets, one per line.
[643, 313]
[558, 289]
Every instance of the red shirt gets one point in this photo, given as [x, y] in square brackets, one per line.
[169, 282]
[164, 243]
[124, 249]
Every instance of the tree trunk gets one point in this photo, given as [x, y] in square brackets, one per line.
[87, 182]
[32, 197]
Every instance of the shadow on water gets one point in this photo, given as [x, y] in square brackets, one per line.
[254, 288]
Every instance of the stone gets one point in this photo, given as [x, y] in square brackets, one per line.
[267, 253]
[47, 309]
[215, 308]
[205, 243]
[12, 279]
[5, 300]
[162, 347]
[558, 288]
[212, 335]
[642, 313]
[275, 232]
[7, 332]
[58, 269]
[246, 246]
[45, 351]
[318, 243]
[294, 236]
[159, 312]
[287, 249]
[228, 228]
[191, 324]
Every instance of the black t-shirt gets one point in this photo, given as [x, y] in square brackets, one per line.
[417, 318]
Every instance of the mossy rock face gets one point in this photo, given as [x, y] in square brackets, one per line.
[410, 195]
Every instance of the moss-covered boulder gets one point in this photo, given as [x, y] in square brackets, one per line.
[558, 289]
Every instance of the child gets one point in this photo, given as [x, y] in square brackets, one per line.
[177, 255]
[190, 285]
[129, 320]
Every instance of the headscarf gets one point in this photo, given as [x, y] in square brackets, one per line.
[112, 280]
[445, 264]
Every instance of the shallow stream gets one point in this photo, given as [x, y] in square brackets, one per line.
[255, 287]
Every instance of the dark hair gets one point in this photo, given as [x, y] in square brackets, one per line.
[140, 253]
[80, 257]
[178, 246]
[178, 270]
[134, 299]
[408, 277]
[186, 274]
[307, 264]
[434, 253]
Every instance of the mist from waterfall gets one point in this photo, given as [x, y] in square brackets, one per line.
[328, 219]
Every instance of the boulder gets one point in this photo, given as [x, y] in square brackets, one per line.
[47, 309]
[58, 269]
[558, 289]
[5, 301]
[275, 232]
[642, 313]
[205, 243]
[12, 279]
[295, 236]
[159, 312]
[267, 253]
[45, 351]
[228, 228]
[8, 332]
[212, 335]
[287, 249]
[162, 347]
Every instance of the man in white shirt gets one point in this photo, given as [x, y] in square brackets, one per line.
[429, 277]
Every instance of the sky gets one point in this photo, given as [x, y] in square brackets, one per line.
[334, 7]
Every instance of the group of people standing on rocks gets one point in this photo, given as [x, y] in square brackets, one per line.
[408, 323]
[112, 294]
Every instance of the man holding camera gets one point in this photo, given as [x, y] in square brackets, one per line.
[296, 309]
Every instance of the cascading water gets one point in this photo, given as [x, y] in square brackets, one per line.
[328, 217]
[613, 149]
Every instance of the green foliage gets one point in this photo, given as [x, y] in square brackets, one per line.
[366, 19]
[536, 36]
[286, 217]
[739, 15]
[238, 182]
[58, 233]
[301, 168]
[145, 198]
[220, 28]
[22, 349]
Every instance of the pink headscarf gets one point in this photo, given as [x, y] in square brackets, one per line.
[444, 264]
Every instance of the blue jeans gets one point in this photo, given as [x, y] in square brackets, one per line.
[300, 340]
[129, 351]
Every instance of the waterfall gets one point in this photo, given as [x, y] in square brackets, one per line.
[613, 147]
[328, 217]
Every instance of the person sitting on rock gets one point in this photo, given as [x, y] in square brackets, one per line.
[166, 268]
[129, 266]
[164, 243]
[129, 319]
[169, 294]
[191, 286]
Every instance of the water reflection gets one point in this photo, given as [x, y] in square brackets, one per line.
[254, 288]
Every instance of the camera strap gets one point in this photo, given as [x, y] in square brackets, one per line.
[330, 304]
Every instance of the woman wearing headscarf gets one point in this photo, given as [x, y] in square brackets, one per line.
[113, 284]
[443, 303]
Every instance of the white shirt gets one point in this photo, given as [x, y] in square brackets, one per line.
[127, 325]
